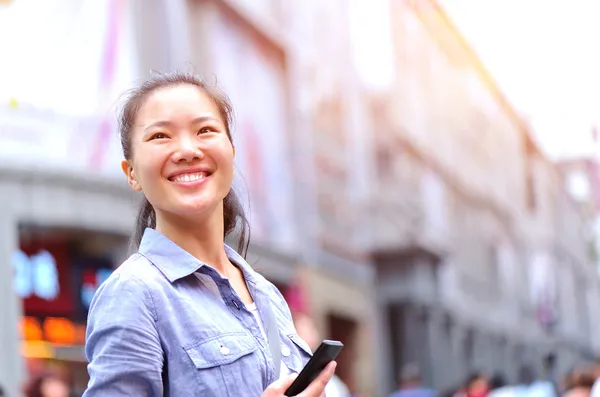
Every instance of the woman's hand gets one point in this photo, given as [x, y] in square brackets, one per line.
[315, 389]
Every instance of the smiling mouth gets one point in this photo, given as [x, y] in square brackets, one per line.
[191, 177]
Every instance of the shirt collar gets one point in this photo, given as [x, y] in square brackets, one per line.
[176, 263]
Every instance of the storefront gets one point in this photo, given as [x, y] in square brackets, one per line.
[61, 236]
[56, 274]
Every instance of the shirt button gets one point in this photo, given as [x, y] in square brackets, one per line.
[225, 350]
[285, 351]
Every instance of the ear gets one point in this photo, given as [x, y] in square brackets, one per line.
[130, 174]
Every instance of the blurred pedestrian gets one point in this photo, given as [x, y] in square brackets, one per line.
[499, 386]
[595, 392]
[531, 386]
[550, 375]
[477, 385]
[579, 383]
[186, 314]
[2, 392]
[582, 387]
[410, 383]
[47, 384]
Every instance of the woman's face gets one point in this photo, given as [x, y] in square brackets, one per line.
[182, 158]
[479, 387]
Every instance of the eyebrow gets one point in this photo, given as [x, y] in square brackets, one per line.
[167, 123]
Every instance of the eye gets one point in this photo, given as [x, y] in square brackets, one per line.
[158, 135]
[206, 130]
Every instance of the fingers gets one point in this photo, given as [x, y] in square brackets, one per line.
[317, 386]
[277, 388]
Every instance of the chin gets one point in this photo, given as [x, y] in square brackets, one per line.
[195, 207]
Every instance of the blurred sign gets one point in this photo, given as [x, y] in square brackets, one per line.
[38, 140]
[56, 330]
[36, 275]
[42, 278]
[92, 279]
[37, 349]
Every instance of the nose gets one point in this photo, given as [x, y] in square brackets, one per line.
[187, 151]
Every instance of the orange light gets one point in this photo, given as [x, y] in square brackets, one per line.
[37, 349]
[79, 335]
[31, 329]
[59, 330]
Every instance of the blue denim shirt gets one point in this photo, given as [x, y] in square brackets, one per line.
[154, 329]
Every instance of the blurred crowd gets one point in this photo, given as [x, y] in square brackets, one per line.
[581, 381]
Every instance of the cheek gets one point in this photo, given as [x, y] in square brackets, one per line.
[225, 159]
[148, 170]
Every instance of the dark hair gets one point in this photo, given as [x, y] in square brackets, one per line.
[472, 378]
[498, 381]
[233, 212]
[579, 377]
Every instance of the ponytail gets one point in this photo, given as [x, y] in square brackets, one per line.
[146, 217]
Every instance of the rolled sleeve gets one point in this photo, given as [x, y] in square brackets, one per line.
[123, 346]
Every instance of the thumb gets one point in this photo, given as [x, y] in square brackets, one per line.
[278, 387]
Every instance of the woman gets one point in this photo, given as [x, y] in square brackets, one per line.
[186, 315]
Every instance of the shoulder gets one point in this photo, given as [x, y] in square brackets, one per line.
[274, 294]
[137, 272]
[131, 283]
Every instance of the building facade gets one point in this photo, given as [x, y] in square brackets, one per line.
[66, 212]
[60, 230]
[475, 263]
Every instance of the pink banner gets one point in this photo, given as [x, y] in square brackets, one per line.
[101, 142]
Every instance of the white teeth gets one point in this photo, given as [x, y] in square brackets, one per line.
[184, 178]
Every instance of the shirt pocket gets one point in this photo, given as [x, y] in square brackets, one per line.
[226, 364]
[295, 353]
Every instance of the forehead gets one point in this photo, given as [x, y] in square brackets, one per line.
[174, 101]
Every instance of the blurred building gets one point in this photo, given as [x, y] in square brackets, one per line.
[64, 227]
[481, 258]
[418, 224]
[65, 213]
[581, 177]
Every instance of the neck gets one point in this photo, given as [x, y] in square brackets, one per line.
[204, 239]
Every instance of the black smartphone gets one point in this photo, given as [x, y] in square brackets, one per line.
[324, 354]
